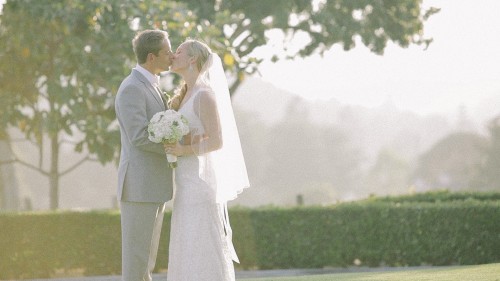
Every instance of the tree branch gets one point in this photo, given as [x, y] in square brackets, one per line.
[86, 158]
[18, 140]
[234, 86]
[26, 164]
[66, 141]
[238, 31]
[251, 46]
[6, 162]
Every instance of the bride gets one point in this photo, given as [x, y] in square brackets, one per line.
[210, 169]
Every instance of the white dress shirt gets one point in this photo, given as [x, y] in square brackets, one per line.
[153, 79]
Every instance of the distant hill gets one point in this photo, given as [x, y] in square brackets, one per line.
[487, 109]
[371, 132]
[370, 128]
[269, 102]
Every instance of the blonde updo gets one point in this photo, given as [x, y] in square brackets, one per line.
[200, 51]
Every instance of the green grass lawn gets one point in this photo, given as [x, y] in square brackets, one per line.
[487, 272]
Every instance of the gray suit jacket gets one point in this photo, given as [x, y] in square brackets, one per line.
[143, 173]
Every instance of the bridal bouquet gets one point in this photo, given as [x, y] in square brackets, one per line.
[168, 127]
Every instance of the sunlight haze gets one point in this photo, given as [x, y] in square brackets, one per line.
[461, 66]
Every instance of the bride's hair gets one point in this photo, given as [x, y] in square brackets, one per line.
[201, 51]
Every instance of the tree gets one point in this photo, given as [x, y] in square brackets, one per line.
[9, 193]
[59, 79]
[325, 23]
[313, 160]
[451, 163]
[488, 176]
[62, 61]
[389, 174]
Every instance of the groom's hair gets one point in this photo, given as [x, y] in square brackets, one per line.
[146, 42]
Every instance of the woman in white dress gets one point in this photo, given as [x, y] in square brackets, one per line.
[210, 170]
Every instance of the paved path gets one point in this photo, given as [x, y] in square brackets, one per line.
[242, 275]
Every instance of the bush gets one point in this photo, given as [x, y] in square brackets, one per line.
[441, 196]
[36, 245]
[377, 233]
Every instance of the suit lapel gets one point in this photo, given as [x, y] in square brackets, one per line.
[150, 87]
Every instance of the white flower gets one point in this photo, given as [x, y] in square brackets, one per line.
[167, 126]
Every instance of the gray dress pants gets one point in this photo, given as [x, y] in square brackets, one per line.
[141, 228]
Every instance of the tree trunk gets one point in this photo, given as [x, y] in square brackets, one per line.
[9, 188]
[232, 89]
[54, 172]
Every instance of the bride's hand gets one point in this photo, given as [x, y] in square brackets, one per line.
[173, 148]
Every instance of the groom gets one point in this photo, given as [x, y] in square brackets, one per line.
[144, 178]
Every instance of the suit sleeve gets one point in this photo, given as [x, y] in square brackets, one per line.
[132, 115]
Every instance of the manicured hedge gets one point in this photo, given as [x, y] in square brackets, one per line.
[441, 196]
[378, 234]
[36, 245]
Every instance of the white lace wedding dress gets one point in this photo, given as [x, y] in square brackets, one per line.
[199, 249]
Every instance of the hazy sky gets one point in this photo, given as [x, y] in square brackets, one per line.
[461, 66]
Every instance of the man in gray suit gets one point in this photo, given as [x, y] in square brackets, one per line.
[144, 178]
